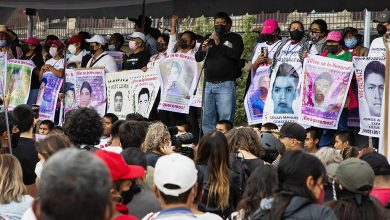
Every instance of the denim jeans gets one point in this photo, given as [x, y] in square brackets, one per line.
[219, 104]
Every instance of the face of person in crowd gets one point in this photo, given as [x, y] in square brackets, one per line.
[181, 130]
[113, 43]
[135, 43]
[43, 129]
[3, 39]
[118, 102]
[296, 32]
[283, 94]
[185, 42]
[315, 33]
[321, 89]
[373, 89]
[310, 143]
[85, 97]
[350, 41]
[333, 47]
[339, 144]
[31, 47]
[69, 98]
[288, 143]
[221, 127]
[107, 125]
[143, 103]
[93, 47]
[161, 45]
[221, 26]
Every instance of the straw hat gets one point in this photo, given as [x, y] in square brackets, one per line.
[4, 29]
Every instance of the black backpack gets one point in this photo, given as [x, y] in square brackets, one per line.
[242, 170]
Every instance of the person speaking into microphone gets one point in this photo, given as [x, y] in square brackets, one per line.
[222, 65]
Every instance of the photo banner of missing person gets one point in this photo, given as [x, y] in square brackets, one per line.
[324, 90]
[48, 96]
[370, 76]
[3, 61]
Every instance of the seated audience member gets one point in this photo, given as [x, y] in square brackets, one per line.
[25, 150]
[84, 128]
[157, 143]
[312, 140]
[381, 167]
[115, 142]
[45, 127]
[108, 120]
[139, 199]
[224, 126]
[82, 174]
[140, 57]
[132, 134]
[14, 200]
[349, 152]
[99, 57]
[122, 176]
[344, 139]
[175, 179]
[353, 181]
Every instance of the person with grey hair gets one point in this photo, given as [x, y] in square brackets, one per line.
[328, 155]
[74, 185]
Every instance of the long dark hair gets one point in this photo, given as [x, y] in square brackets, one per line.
[261, 184]
[293, 170]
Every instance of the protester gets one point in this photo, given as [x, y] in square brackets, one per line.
[108, 120]
[45, 127]
[377, 47]
[84, 128]
[157, 143]
[344, 139]
[25, 149]
[221, 185]
[116, 42]
[34, 53]
[223, 65]
[139, 57]
[175, 179]
[271, 127]
[261, 185]
[312, 140]
[82, 174]
[99, 57]
[328, 155]
[143, 24]
[224, 126]
[318, 32]
[273, 147]
[54, 65]
[353, 42]
[48, 40]
[161, 46]
[186, 43]
[6, 39]
[293, 136]
[132, 134]
[14, 200]
[353, 182]
[76, 51]
[122, 176]
[115, 143]
[4, 138]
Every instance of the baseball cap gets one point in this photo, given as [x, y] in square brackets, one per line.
[75, 39]
[175, 169]
[138, 21]
[138, 35]
[334, 36]
[352, 173]
[269, 26]
[383, 17]
[378, 163]
[33, 41]
[117, 166]
[293, 130]
[97, 39]
[58, 43]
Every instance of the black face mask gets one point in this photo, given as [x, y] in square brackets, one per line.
[15, 139]
[296, 35]
[183, 44]
[270, 37]
[333, 49]
[381, 29]
[261, 39]
[220, 29]
[160, 47]
[25, 48]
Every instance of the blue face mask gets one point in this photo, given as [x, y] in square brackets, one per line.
[3, 43]
[351, 42]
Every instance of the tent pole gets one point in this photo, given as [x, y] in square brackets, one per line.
[143, 15]
[29, 26]
[367, 28]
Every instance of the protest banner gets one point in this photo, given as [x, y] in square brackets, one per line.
[385, 125]
[18, 81]
[256, 96]
[196, 100]
[3, 71]
[370, 76]
[70, 93]
[282, 103]
[48, 95]
[118, 94]
[325, 88]
[178, 75]
[118, 57]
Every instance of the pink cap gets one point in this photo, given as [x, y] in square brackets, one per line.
[33, 41]
[269, 26]
[334, 36]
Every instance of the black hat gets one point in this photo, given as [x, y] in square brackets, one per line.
[378, 162]
[383, 17]
[293, 130]
[138, 21]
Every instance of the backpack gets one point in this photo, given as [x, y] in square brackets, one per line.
[242, 169]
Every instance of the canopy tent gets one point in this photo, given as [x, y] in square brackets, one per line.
[158, 8]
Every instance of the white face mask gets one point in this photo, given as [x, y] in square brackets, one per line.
[72, 49]
[53, 51]
[111, 47]
[132, 45]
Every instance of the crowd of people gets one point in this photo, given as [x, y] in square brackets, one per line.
[167, 166]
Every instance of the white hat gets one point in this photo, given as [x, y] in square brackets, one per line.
[97, 39]
[138, 35]
[175, 169]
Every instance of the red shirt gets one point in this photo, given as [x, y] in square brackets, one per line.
[124, 211]
[383, 195]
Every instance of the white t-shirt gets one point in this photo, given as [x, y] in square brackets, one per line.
[57, 64]
[14, 210]
[29, 215]
[115, 149]
[208, 216]
[377, 48]
[271, 49]
[290, 52]
[76, 58]
[106, 61]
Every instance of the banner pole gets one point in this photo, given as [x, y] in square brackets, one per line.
[386, 102]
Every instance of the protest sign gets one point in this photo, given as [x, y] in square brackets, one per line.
[3, 71]
[178, 75]
[196, 100]
[70, 93]
[118, 57]
[18, 81]
[256, 96]
[48, 95]
[370, 76]
[118, 94]
[325, 88]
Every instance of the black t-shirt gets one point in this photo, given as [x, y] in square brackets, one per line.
[28, 158]
[136, 61]
[37, 59]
